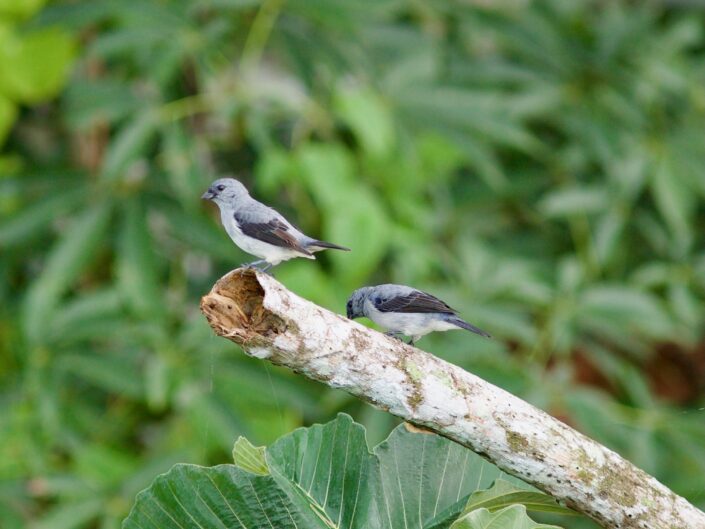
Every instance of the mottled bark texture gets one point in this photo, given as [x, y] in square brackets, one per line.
[269, 322]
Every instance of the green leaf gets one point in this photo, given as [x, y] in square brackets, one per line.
[686, 306]
[411, 462]
[676, 202]
[34, 67]
[34, 216]
[67, 259]
[132, 141]
[221, 497]
[103, 466]
[156, 383]
[329, 173]
[94, 100]
[574, 201]
[88, 309]
[274, 169]
[20, 9]
[623, 308]
[329, 467]
[137, 273]
[71, 514]
[482, 114]
[201, 234]
[250, 457]
[369, 119]
[445, 518]
[8, 114]
[503, 494]
[513, 517]
[112, 375]
[181, 155]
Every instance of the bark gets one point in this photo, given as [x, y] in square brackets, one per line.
[269, 322]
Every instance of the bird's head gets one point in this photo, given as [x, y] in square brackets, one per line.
[225, 191]
[356, 304]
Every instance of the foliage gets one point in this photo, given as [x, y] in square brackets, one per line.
[513, 517]
[33, 64]
[538, 165]
[325, 477]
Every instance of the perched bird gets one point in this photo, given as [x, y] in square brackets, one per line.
[405, 310]
[258, 229]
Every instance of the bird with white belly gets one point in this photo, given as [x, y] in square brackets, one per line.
[406, 311]
[258, 229]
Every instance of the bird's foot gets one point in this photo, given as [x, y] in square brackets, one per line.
[394, 334]
[255, 264]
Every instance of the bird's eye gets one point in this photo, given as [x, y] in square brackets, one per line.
[221, 187]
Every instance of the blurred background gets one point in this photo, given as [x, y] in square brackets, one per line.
[538, 165]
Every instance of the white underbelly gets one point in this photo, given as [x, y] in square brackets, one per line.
[411, 324]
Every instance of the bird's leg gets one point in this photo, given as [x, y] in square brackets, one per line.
[266, 269]
[414, 339]
[254, 264]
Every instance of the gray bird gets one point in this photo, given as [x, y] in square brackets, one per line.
[258, 229]
[405, 310]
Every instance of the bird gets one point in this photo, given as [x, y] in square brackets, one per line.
[404, 310]
[258, 229]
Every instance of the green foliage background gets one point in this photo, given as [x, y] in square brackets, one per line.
[539, 165]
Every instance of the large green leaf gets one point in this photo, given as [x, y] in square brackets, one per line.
[330, 467]
[513, 517]
[423, 474]
[221, 497]
[503, 494]
[326, 477]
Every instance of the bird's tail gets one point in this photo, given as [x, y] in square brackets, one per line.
[468, 327]
[316, 245]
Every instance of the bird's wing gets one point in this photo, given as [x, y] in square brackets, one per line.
[414, 301]
[271, 228]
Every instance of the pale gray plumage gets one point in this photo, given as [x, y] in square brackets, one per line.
[258, 229]
[406, 310]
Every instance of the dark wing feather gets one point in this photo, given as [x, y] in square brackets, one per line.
[415, 301]
[273, 232]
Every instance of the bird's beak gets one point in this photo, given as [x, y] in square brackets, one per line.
[350, 314]
[208, 195]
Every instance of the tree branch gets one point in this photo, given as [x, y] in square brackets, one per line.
[269, 322]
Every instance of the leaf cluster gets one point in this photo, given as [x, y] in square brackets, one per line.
[325, 477]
